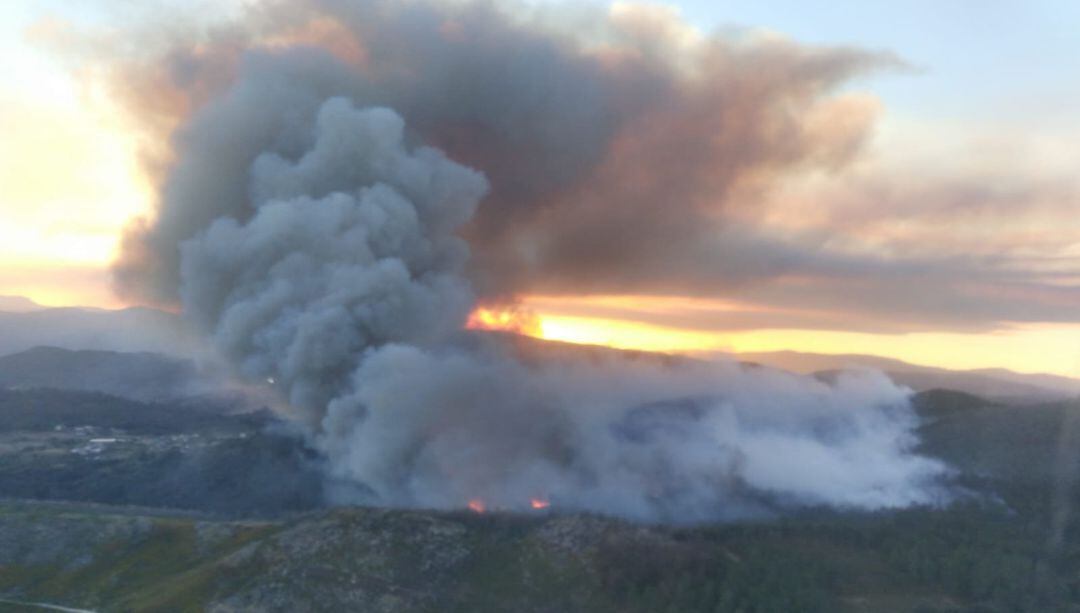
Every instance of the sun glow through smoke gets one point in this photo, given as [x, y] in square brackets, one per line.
[70, 174]
[511, 318]
[1030, 348]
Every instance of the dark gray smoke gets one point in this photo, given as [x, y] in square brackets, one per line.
[343, 288]
[616, 152]
[352, 246]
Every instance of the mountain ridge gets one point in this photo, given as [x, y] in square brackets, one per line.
[77, 328]
[993, 383]
[18, 304]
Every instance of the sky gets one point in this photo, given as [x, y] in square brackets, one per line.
[966, 180]
[978, 60]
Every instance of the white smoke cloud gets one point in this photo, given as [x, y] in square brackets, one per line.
[346, 286]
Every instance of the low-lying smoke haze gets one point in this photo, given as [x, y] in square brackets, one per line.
[672, 443]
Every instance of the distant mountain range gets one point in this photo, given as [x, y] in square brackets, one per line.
[992, 383]
[25, 324]
[140, 376]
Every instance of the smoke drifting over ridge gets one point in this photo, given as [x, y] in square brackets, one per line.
[317, 240]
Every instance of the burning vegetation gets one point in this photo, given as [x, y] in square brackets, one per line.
[478, 506]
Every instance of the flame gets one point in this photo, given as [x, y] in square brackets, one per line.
[539, 504]
[477, 506]
[505, 318]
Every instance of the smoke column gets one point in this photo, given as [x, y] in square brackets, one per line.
[300, 292]
[315, 238]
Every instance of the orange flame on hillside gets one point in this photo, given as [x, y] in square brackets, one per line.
[477, 506]
[505, 318]
[539, 504]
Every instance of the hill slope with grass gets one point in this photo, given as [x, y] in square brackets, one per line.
[967, 558]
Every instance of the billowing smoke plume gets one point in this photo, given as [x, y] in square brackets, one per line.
[316, 241]
[621, 147]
